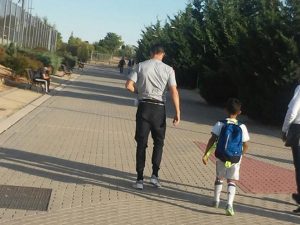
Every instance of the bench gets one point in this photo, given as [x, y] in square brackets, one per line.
[32, 82]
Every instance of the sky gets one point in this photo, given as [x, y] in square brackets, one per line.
[91, 20]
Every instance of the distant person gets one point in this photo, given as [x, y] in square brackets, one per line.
[80, 65]
[121, 65]
[149, 80]
[231, 137]
[43, 76]
[291, 137]
[129, 66]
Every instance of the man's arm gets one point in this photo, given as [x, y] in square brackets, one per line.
[175, 98]
[130, 86]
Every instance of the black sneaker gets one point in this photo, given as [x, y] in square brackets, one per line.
[296, 198]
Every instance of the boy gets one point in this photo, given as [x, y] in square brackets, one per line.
[232, 138]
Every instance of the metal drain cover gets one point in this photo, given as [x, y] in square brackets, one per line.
[26, 198]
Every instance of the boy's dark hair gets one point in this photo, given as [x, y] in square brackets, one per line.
[157, 49]
[233, 106]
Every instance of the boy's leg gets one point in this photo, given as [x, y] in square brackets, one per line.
[218, 190]
[232, 175]
[231, 190]
[220, 173]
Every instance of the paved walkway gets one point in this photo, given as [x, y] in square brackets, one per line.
[13, 99]
[79, 143]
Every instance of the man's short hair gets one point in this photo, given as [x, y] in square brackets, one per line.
[157, 49]
[233, 106]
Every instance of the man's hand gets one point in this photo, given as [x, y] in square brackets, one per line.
[204, 160]
[176, 120]
[284, 137]
[130, 86]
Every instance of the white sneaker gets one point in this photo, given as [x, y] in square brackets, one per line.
[155, 181]
[139, 184]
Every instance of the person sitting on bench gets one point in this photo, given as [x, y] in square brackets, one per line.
[43, 75]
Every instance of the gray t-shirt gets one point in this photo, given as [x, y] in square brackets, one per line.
[152, 78]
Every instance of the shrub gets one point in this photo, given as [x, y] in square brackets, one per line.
[69, 60]
[2, 55]
[21, 62]
[49, 59]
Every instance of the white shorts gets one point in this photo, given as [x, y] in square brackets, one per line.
[232, 173]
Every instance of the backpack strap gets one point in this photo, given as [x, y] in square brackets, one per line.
[225, 121]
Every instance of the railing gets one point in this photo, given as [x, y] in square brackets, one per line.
[20, 27]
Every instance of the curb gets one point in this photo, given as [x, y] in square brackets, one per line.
[17, 116]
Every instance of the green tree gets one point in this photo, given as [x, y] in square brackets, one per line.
[128, 51]
[84, 51]
[178, 36]
[59, 41]
[79, 48]
[110, 44]
[151, 35]
[235, 48]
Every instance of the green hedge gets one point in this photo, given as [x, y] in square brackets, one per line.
[69, 60]
[21, 59]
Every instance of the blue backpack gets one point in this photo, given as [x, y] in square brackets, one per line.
[230, 142]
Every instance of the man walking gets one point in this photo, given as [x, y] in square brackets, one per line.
[291, 136]
[150, 80]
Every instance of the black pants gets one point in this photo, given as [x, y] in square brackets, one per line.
[296, 157]
[149, 117]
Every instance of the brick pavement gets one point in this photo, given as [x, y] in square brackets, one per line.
[255, 171]
[80, 144]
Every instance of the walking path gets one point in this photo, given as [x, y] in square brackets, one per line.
[79, 143]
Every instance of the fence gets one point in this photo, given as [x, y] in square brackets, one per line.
[100, 57]
[27, 31]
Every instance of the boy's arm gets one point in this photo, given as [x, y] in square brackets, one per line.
[245, 147]
[210, 143]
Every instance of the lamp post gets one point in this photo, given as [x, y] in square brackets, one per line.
[22, 23]
[4, 23]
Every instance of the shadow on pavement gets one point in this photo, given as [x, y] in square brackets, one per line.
[272, 158]
[67, 171]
